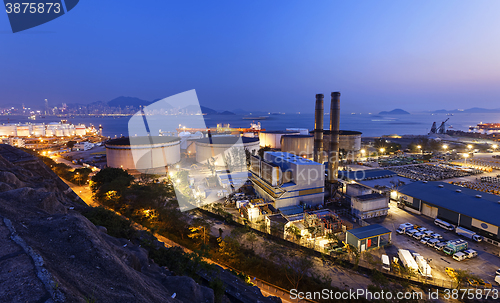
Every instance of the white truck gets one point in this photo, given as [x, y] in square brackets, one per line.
[468, 233]
[407, 260]
[423, 267]
[459, 256]
[470, 253]
[385, 263]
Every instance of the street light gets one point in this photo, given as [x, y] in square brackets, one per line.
[445, 147]
[469, 146]
[494, 146]
[466, 156]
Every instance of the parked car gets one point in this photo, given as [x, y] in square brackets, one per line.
[432, 242]
[411, 232]
[400, 231]
[421, 229]
[437, 236]
[428, 233]
[418, 236]
[440, 245]
[424, 240]
[459, 256]
[497, 279]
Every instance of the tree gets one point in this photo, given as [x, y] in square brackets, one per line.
[110, 175]
[200, 228]
[262, 150]
[293, 231]
[352, 250]
[81, 174]
[70, 144]
[296, 269]
[252, 238]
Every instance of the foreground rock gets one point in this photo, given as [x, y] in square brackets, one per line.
[49, 252]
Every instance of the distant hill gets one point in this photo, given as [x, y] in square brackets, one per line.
[473, 110]
[227, 113]
[396, 111]
[208, 111]
[128, 101]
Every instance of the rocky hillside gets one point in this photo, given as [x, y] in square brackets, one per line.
[49, 252]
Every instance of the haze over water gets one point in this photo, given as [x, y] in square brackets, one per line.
[369, 125]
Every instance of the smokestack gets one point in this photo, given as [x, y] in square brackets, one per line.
[318, 129]
[333, 154]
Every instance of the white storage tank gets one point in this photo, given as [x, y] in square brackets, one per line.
[300, 145]
[39, 130]
[218, 146]
[24, 130]
[272, 138]
[137, 153]
[80, 130]
[8, 130]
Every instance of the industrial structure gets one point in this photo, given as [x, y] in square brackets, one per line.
[287, 179]
[457, 205]
[57, 129]
[368, 237]
[147, 154]
[272, 138]
[217, 147]
[300, 145]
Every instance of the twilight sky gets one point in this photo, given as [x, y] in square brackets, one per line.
[261, 54]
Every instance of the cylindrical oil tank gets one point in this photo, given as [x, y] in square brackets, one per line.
[349, 141]
[272, 138]
[300, 145]
[39, 130]
[146, 154]
[217, 147]
[8, 130]
[80, 130]
[24, 130]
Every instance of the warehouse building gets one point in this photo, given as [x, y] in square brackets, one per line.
[457, 205]
[286, 179]
[368, 237]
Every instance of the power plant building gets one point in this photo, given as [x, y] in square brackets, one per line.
[457, 205]
[140, 154]
[286, 179]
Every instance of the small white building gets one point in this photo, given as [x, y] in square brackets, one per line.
[83, 145]
[354, 190]
[17, 142]
[369, 206]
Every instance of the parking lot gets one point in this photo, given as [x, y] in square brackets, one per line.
[484, 265]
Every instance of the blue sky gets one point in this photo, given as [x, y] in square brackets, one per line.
[269, 55]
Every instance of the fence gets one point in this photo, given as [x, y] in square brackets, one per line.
[363, 265]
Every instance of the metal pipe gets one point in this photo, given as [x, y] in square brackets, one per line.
[333, 154]
[318, 129]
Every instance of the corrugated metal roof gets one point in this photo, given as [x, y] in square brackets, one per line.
[291, 210]
[369, 231]
[486, 208]
[365, 174]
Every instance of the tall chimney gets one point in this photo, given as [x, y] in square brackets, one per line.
[318, 129]
[333, 154]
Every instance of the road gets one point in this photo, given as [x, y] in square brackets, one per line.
[266, 288]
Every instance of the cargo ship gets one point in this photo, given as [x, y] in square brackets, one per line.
[254, 128]
[486, 128]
